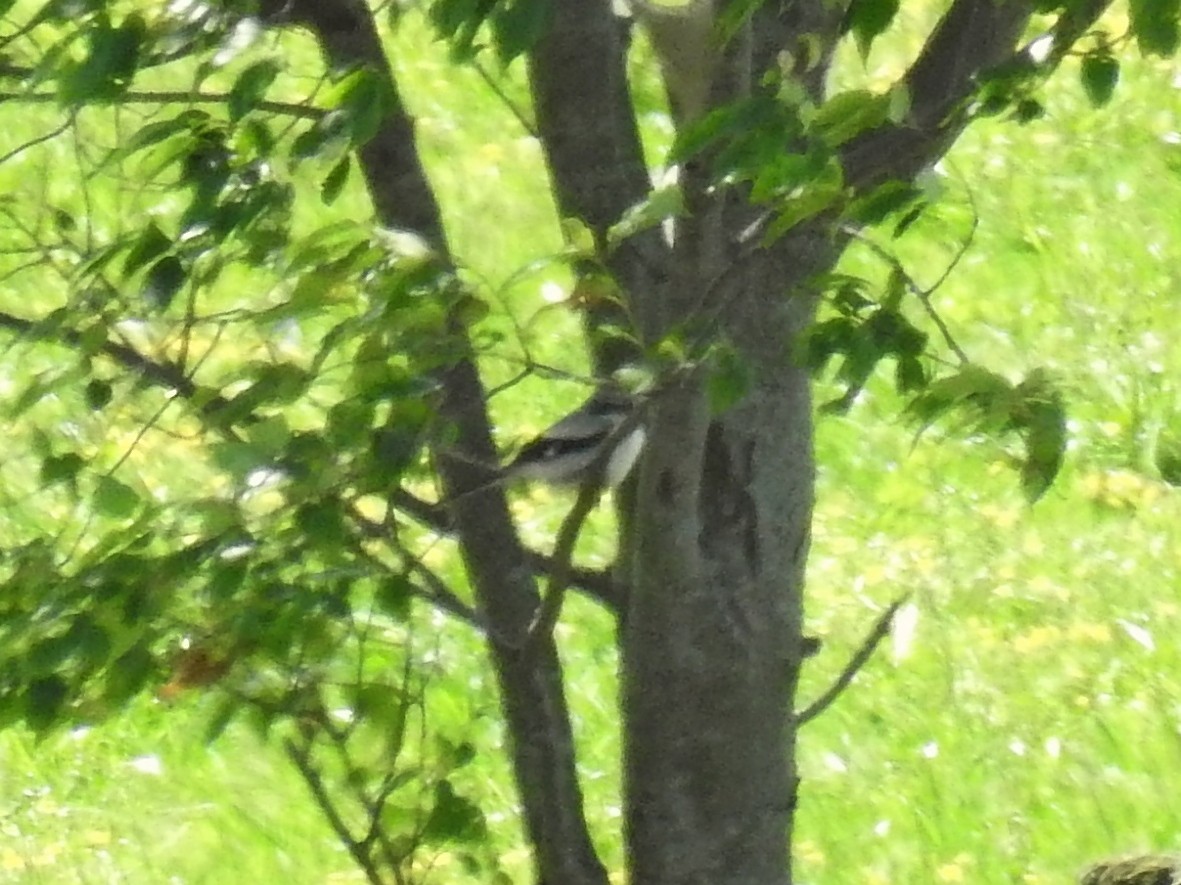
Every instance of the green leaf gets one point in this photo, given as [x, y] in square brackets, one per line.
[327, 135]
[1028, 110]
[1167, 455]
[1100, 74]
[867, 19]
[1040, 415]
[148, 246]
[971, 386]
[364, 97]
[323, 522]
[239, 459]
[45, 699]
[165, 278]
[90, 644]
[1156, 25]
[381, 705]
[274, 384]
[116, 499]
[250, 87]
[128, 674]
[334, 182]
[98, 393]
[110, 65]
[808, 203]
[883, 201]
[394, 596]
[454, 818]
[226, 580]
[271, 435]
[61, 468]
[848, 114]
[909, 375]
[517, 25]
[660, 205]
[458, 21]
[728, 381]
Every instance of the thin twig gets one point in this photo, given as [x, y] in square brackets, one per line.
[284, 108]
[923, 295]
[311, 776]
[512, 106]
[40, 139]
[598, 584]
[162, 374]
[880, 628]
[555, 592]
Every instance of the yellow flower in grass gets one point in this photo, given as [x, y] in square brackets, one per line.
[1164, 608]
[1089, 632]
[875, 877]
[10, 861]
[955, 870]
[1001, 517]
[97, 838]
[1036, 639]
[809, 852]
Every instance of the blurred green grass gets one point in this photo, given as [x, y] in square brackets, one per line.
[1030, 720]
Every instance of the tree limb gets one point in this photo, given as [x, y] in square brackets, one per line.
[880, 628]
[585, 118]
[972, 36]
[160, 373]
[289, 109]
[302, 758]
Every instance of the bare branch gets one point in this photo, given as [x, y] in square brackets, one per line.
[555, 591]
[597, 584]
[513, 108]
[302, 758]
[880, 628]
[40, 139]
[284, 108]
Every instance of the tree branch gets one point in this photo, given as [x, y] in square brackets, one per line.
[578, 78]
[302, 758]
[159, 373]
[290, 109]
[880, 628]
[972, 36]
[923, 294]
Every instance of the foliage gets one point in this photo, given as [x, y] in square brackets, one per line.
[226, 380]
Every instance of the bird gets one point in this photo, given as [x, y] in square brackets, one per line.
[566, 452]
[1149, 869]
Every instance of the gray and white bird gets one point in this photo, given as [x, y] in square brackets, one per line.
[566, 451]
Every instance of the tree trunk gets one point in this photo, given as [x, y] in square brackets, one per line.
[712, 641]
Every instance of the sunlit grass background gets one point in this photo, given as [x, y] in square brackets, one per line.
[1024, 718]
